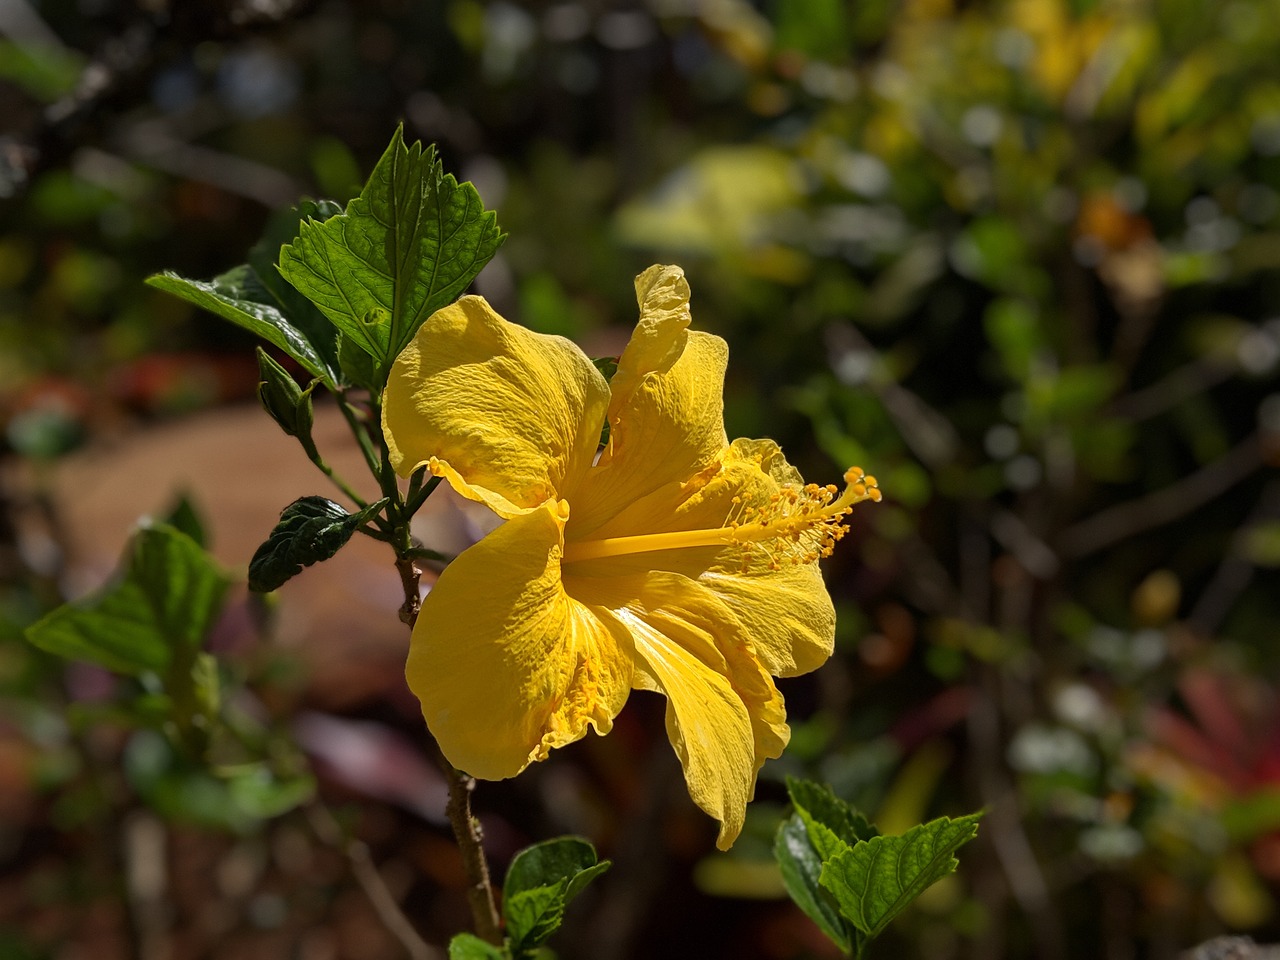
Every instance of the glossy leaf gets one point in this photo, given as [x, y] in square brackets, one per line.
[253, 296]
[801, 866]
[311, 529]
[833, 825]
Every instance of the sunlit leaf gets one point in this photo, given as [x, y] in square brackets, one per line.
[410, 244]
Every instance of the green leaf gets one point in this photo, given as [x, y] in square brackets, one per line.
[184, 518]
[410, 244]
[876, 879]
[159, 609]
[311, 529]
[541, 881]
[801, 867]
[467, 946]
[259, 793]
[285, 402]
[533, 915]
[189, 792]
[254, 296]
[833, 825]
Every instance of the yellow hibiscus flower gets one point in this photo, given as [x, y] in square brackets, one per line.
[674, 561]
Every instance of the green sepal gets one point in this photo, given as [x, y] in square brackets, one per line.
[311, 529]
[285, 402]
[155, 613]
[874, 880]
[801, 866]
[541, 882]
[607, 366]
[411, 243]
[467, 946]
[255, 297]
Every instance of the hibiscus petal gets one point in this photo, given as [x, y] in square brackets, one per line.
[509, 417]
[666, 415]
[724, 715]
[506, 665]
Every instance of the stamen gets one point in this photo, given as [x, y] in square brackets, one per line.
[796, 525]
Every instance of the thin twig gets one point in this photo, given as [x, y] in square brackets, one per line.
[375, 888]
[1236, 569]
[1125, 520]
[1004, 827]
[1187, 381]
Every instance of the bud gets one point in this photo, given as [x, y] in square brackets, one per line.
[288, 404]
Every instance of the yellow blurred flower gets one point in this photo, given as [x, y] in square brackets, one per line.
[674, 561]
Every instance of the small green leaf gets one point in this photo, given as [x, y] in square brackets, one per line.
[541, 881]
[467, 946]
[287, 404]
[801, 867]
[533, 915]
[254, 296]
[562, 858]
[311, 529]
[259, 793]
[410, 244]
[833, 825]
[184, 518]
[159, 608]
[876, 879]
[189, 792]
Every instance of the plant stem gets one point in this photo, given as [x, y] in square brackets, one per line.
[466, 828]
[361, 434]
[334, 478]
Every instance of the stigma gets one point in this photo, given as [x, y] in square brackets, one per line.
[797, 524]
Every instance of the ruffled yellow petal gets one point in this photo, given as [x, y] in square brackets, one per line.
[506, 665]
[666, 415]
[509, 417]
[724, 715]
[783, 607]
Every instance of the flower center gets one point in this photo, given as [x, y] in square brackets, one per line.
[798, 524]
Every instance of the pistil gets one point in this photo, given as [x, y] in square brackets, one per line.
[797, 523]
